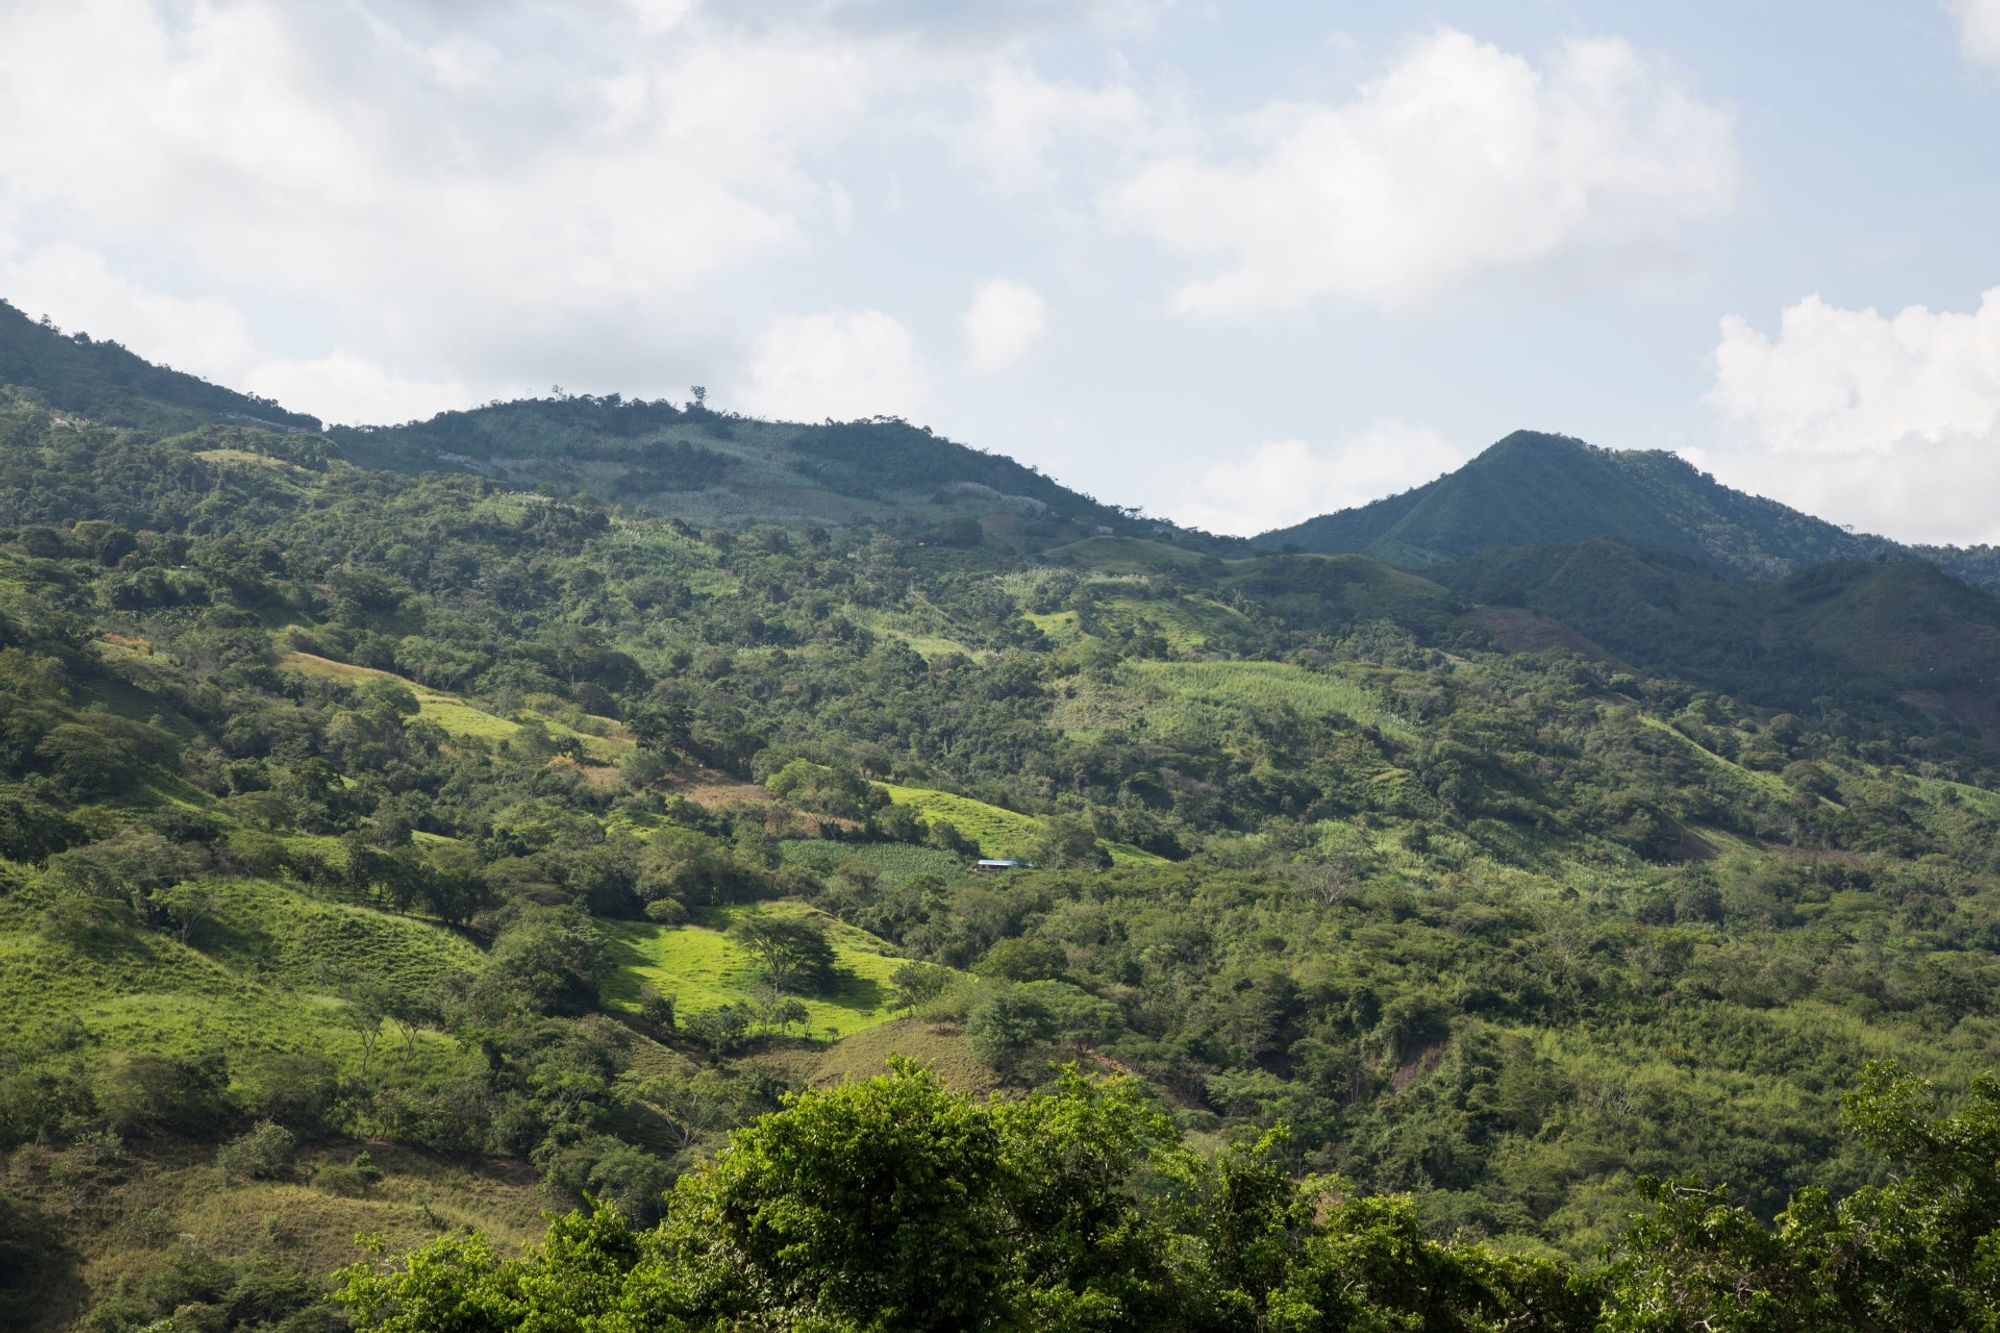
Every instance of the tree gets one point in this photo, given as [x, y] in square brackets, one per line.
[188, 904]
[656, 1010]
[366, 1010]
[919, 983]
[1067, 841]
[794, 950]
[1921, 1252]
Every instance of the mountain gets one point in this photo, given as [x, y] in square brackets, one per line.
[1536, 489]
[705, 466]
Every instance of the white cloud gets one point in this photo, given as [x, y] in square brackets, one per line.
[463, 191]
[1460, 163]
[1002, 325]
[1282, 482]
[75, 286]
[1889, 422]
[1978, 29]
[353, 390]
[843, 365]
[1024, 123]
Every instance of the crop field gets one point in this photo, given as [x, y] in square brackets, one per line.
[703, 968]
[1242, 686]
[894, 863]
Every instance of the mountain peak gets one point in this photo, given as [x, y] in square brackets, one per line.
[1535, 487]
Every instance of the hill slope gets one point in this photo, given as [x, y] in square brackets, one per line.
[102, 380]
[1532, 488]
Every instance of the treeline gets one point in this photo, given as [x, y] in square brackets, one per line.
[895, 1204]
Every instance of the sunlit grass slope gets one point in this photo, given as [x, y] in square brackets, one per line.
[1000, 832]
[454, 715]
[703, 968]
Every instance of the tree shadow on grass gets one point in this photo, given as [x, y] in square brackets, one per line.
[40, 1282]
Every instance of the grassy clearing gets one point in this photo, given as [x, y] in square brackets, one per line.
[1000, 832]
[894, 863]
[1057, 626]
[453, 715]
[703, 968]
[130, 1225]
[1768, 784]
[149, 993]
[1262, 685]
[1188, 624]
[943, 1047]
[303, 943]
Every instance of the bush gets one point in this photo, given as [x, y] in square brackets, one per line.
[267, 1152]
[151, 1094]
[666, 911]
[656, 1010]
[350, 1181]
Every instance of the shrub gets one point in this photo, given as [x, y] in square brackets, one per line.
[350, 1181]
[265, 1153]
[666, 911]
[656, 1010]
[150, 1094]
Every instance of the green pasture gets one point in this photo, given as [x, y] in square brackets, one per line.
[703, 968]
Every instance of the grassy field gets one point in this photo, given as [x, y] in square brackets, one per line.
[893, 862]
[453, 715]
[1263, 685]
[1057, 626]
[145, 1208]
[300, 942]
[865, 1054]
[998, 831]
[703, 968]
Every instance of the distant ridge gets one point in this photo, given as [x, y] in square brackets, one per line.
[1534, 489]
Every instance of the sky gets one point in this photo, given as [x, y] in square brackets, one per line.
[1237, 264]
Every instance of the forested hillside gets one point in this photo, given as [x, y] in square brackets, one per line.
[407, 833]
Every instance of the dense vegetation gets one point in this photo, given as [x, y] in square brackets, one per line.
[413, 830]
